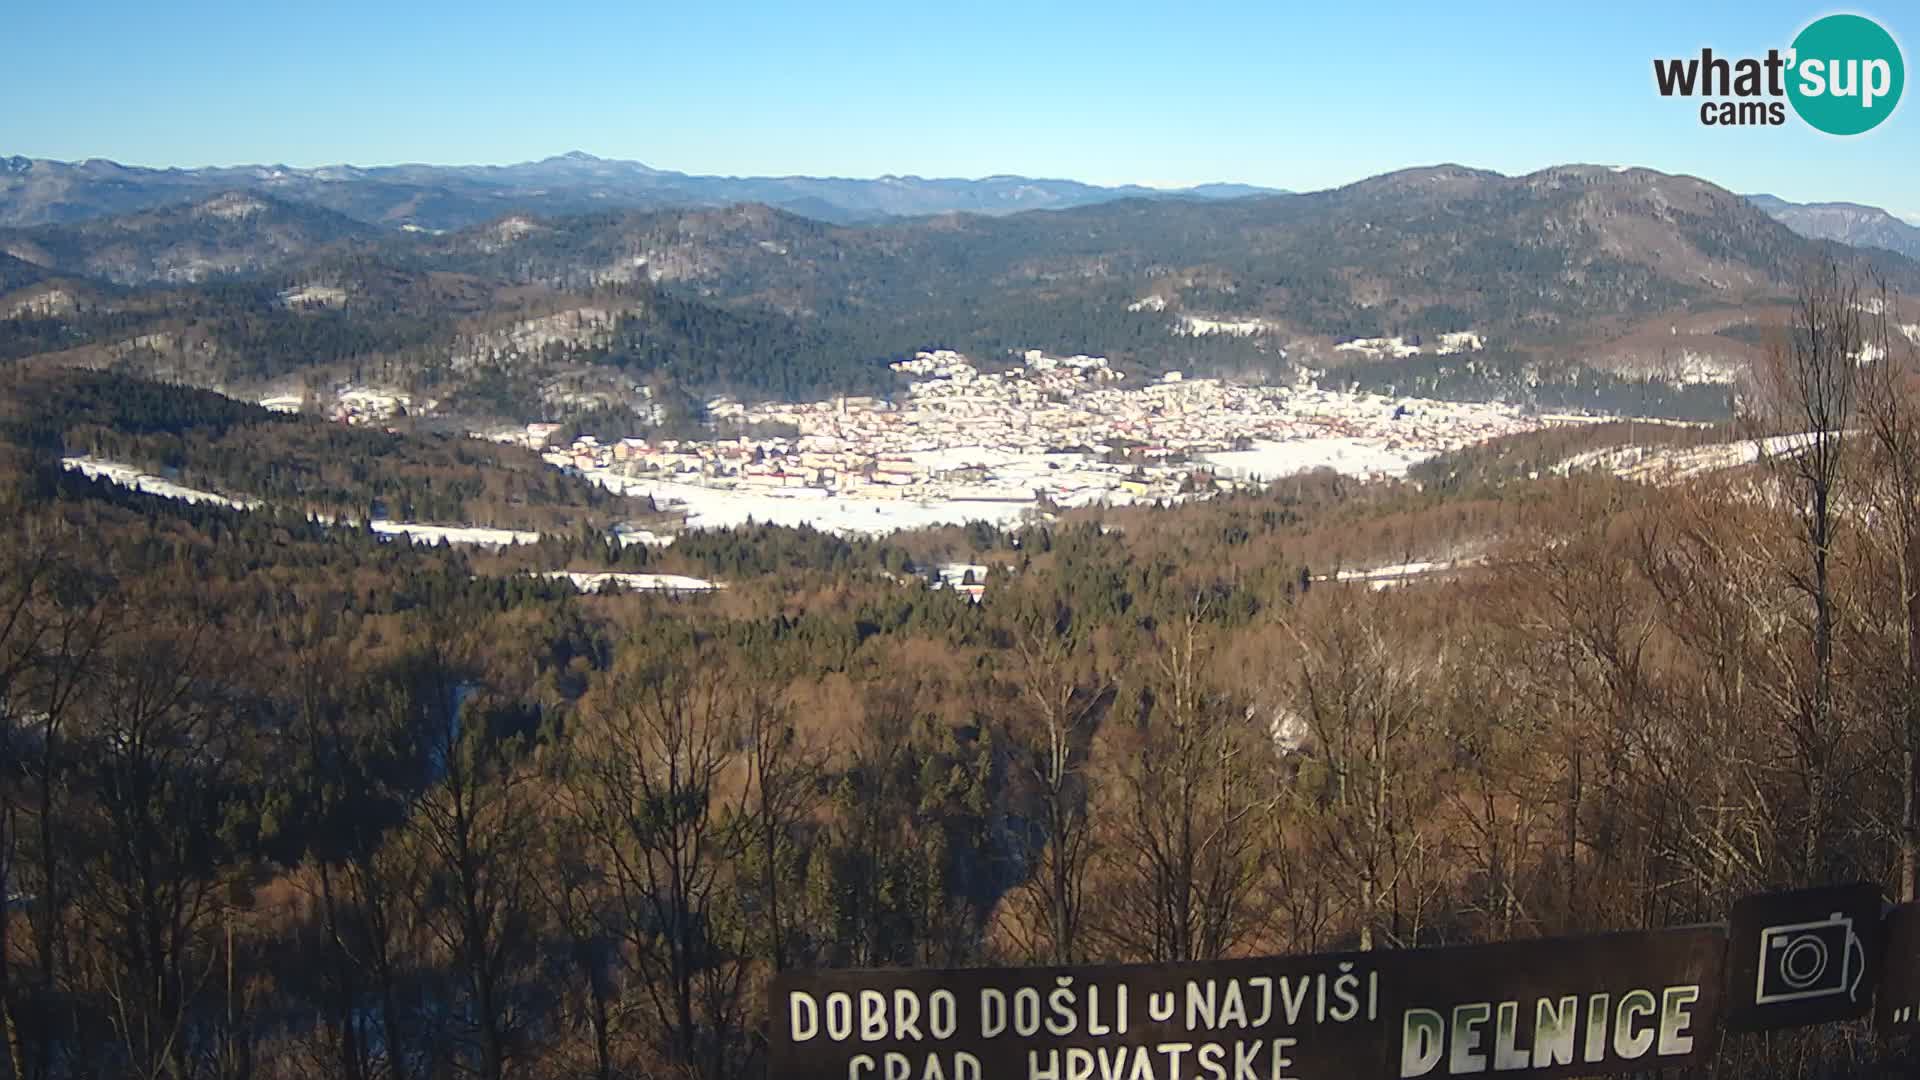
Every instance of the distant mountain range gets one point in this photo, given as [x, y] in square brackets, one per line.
[1643, 276]
[35, 191]
[1849, 223]
[437, 198]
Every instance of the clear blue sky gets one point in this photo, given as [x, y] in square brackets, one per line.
[1292, 95]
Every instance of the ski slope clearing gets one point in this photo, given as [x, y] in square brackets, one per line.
[1348, 455]
[1407, 573]
[1382, 576]
[667, 583]
[1668, 464]
[128, 476]
[724, 508]
[453, 534]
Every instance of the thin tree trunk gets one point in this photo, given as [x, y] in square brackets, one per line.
[1910, 710]
[352, 1065]
[16, 1060]
[1575, 788]
[602, 1021]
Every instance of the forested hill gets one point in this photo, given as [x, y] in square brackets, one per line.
[1421, 251]
[1623, 269]
[295, 464]
[231, 233]
[17, 273]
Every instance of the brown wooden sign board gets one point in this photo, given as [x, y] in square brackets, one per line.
[1580, 1006]
[1550, 1007]
[1803, 957]
[1898, 1011]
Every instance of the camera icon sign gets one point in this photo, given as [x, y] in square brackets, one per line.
[1819, 959]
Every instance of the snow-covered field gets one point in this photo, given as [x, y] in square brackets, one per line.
[1398, 570]
[1067, 480]
[1343, 454]
[129, 477]
[1375, 348]
[1666, 464]
[453, 534]
[327, 295]
[1386, 577]
[1197, 326]
[721, 508]
[627, 534]
[592, 582]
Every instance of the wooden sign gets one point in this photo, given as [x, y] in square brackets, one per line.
[1806, 956]
[1549, 1007]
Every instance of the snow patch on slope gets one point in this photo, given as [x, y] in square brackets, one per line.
[669, 583]
[1691, 369]
[232, 206]
[1347, 455]
[129, 477]
[1666, 464]
[47, 304]
[453, 534]
[1199, 326]
[314, 295]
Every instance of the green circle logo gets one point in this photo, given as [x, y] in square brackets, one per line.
[1847, 74]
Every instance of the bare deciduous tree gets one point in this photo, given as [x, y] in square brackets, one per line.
[1186, 800]
[1891, 418]
[1811, 380]
[1057, 706]
[1358, 692]
[471, 834]
[56, 617]
[659, 738]
[163, 740]
[783, 773]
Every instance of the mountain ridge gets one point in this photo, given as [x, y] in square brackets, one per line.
[1856, 224]
[39, 191]
[1632, 272]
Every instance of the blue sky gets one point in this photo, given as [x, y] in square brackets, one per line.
[1291, 95]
